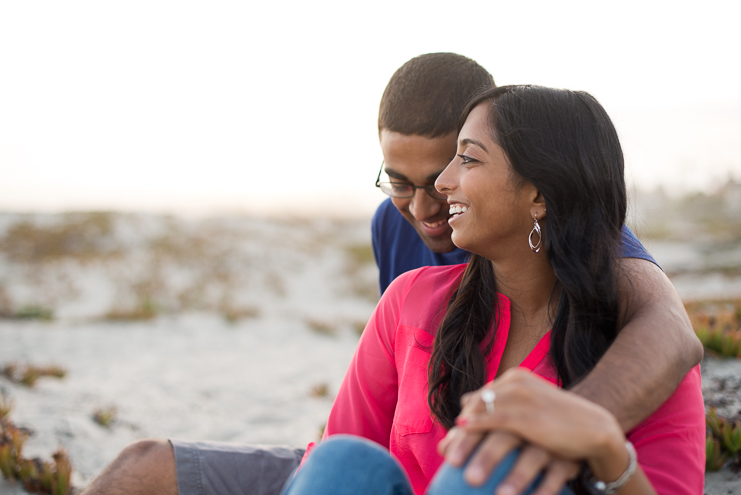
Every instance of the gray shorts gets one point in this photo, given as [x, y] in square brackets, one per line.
[214, 468]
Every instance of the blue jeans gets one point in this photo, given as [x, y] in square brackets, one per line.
[348, 465]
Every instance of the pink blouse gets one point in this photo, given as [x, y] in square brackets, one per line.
[384, 394]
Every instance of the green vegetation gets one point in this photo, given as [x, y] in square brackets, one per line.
[718, 326]
[33, 313]
[144, 310]
[723, 441]
[106, 416]
[36, 475]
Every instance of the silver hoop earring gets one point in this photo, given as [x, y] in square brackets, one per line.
[536, 230]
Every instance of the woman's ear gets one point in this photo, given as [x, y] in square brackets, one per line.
[538, 208]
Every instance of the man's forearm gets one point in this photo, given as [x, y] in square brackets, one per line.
[652, 353]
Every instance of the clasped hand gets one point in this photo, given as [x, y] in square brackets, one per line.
[555, 429]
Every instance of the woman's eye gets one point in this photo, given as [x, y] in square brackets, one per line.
[466, 159]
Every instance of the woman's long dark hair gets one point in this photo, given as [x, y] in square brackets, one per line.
[563, 143]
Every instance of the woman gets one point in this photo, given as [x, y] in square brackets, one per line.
[538, 195]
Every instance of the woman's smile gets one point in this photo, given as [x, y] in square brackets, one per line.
[456, 211]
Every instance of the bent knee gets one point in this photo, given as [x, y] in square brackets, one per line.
[149, 451]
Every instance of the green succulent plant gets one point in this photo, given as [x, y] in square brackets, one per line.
[732, 437]
[714, 458]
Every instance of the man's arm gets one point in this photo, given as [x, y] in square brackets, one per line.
[652, 353]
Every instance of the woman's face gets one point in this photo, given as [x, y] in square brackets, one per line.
[491, 211]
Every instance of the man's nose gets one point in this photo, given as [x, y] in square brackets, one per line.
[424, 206]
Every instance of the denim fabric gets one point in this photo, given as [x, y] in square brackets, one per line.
[348, 465]
[449, 480]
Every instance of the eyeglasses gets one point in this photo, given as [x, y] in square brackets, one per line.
[405, 189]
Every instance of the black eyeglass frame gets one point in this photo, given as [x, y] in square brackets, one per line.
[437, 195]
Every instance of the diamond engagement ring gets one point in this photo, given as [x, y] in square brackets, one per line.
[488, 396]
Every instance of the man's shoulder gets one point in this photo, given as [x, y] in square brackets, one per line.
[387, 217]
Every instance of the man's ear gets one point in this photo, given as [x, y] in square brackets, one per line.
[537, 208]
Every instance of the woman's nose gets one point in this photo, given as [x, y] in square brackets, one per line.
[445, 181]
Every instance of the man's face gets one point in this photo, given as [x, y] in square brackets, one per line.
[419, 160]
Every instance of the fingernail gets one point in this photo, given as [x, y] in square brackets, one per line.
[506, 490]
[455, 458]
[461, 421]
[475, 474]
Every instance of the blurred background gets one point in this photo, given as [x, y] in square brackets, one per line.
[203, 107]
[186, 191]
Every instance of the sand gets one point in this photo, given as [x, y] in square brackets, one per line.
[237, 352]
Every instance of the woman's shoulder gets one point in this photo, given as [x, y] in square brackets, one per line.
[423, 293]
[426, 277]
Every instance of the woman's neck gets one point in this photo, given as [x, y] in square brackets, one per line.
[528, 281]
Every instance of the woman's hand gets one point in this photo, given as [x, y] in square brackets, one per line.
[534, 410]
[458, 445]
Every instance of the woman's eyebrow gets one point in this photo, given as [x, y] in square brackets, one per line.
[466, 141]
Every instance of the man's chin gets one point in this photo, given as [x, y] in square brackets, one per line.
[438, 245]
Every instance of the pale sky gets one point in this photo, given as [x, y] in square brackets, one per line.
[201, 107]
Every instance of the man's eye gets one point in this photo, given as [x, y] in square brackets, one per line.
[399, 187]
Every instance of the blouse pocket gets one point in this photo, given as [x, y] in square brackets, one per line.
[413, 354]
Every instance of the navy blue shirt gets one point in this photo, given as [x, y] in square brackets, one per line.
[398, 248]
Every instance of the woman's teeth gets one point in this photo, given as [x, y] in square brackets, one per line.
[458, 209]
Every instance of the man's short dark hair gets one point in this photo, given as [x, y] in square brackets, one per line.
[426, 95]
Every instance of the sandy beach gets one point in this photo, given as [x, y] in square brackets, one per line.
[230, 329]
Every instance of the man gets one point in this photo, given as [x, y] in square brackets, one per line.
[417, 128]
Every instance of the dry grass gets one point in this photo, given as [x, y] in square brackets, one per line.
[36, 475]
[360, 254]
[359, 258]
[320, 390]
[6, 405]
[715, 215]
[143, 311]
[358, 326]
[28, 375]
[80, 236]
[105, 416]
[322, 327]
[233, 314]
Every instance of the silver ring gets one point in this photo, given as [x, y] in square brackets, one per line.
[488, 396]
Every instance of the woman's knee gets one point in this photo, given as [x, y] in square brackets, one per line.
[348, 464]
[342, 447]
